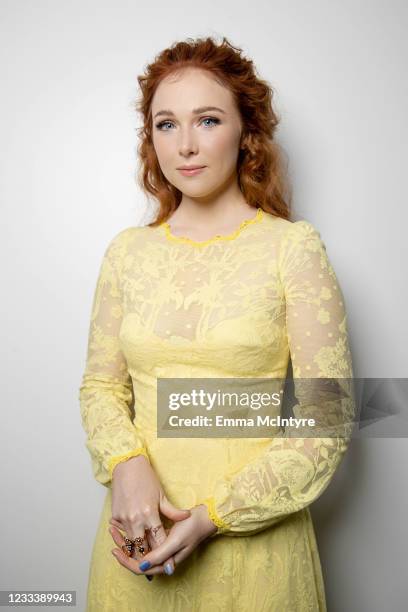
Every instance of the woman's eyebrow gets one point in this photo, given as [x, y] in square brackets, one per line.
[196, 111]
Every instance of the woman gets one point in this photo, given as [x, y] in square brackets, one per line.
[221, 284]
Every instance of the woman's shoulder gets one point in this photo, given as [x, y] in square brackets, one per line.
[294, 230]
[119, 245]
[125, 236]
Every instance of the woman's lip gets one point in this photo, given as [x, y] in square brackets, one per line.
[187, 172]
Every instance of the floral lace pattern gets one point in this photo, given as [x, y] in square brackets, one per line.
[167, 306]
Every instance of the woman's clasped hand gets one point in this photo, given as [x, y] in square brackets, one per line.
[137, 501]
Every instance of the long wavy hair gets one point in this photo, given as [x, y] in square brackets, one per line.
[262, 163]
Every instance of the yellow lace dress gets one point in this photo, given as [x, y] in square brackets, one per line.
[231, 306]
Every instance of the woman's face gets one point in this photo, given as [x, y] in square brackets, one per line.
[207, 138]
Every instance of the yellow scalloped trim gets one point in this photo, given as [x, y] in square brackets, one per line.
[222, 526]
[259, 215]
[113, 461]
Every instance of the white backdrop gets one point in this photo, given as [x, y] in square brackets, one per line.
[67, 186]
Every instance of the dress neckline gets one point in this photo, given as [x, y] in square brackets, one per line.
[218, 237]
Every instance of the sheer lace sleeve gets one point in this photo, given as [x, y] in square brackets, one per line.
[106, 391]
[294, 471]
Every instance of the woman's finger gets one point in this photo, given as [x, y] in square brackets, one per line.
[137, 532]
[117, 524]
[159, 556]
[157, 535]
[120, 542]
[156, 532]
[133, 564]
[117, 536]
[182, 554]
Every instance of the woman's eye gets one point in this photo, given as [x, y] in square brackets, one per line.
[214, 119]
[161, 125]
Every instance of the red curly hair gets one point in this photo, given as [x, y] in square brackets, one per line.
[262, 175]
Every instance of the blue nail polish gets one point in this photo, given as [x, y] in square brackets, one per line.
[145, 565]
[168, 569]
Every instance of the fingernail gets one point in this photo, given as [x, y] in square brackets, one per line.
[150, 578]
[145, 565]
[168, 569]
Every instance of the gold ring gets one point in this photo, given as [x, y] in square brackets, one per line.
[154, 530]
[129, 546]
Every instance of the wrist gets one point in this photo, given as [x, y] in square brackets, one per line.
[208, 524]
[128, 463]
